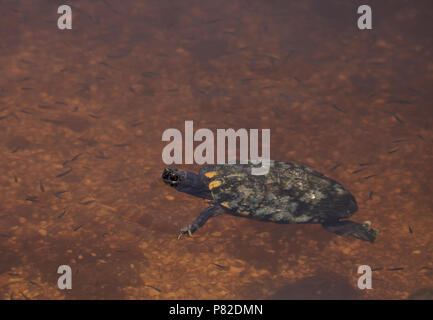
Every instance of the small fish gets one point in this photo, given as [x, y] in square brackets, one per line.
[397, 118]
[58, 194]
[87, 202]
[337, 108]
[64, 173]
[395, 269]
[72, 160]
[101, 156]
[426, 268]
[15, 150]
[410, 230]
[364, 164]
[335, 167]
[377, 269]
[76, 157]
[77, 228]
[62, 214]
[32, 198]
[220, 266]
[154, 288]
[41, 186]
[371, 176]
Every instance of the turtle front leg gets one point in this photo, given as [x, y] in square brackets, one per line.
[350, 228]
[204, 216]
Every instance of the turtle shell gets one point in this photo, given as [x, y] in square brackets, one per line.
[288, 193]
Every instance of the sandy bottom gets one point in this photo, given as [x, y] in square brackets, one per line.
[82, 112]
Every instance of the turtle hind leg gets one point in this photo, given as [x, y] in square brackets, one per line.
[204, 216]
[350, 228]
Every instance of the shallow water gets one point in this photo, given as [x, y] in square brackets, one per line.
[82, 112]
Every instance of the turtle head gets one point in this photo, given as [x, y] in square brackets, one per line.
[173, 177]
[185, 181]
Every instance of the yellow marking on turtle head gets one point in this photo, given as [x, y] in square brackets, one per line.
[211, 174]
[214, 184]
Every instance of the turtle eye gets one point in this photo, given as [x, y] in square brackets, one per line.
[172, 177]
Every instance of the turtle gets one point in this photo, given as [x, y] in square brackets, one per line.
[287, 193]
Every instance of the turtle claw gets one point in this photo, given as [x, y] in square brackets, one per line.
[367, 224]
[185, 230]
